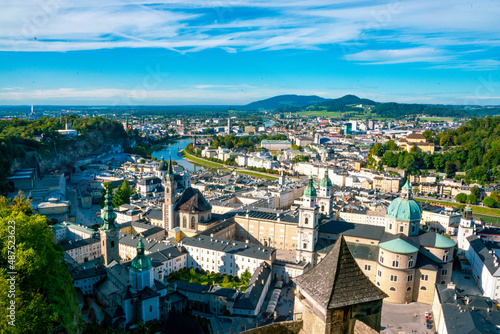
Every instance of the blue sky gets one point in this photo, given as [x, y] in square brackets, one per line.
[131, 52]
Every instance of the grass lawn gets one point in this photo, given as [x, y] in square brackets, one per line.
[201, 161]
[489, 220]
[475, 209]
[263, 176]
[436, 119]
[207, 278]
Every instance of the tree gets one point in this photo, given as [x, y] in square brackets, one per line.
[489, 201]
[45, 297]
[377, 150]
[390, 146]
[451, 169]
[438, 162]
[475, 191]
[246, 276]
[122, 194]
[472, 199]
[461, 198]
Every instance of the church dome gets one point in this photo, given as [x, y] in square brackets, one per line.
[404, 207]
[141, 262]
[310, 191]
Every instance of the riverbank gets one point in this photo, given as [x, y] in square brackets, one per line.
[197, 160]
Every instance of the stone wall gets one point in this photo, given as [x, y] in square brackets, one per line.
[286, 327]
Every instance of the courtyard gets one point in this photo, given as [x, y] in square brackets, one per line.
[405, 318]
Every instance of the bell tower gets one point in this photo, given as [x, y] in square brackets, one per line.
[308, 225]
[168, 205]
[109, 231]
[465, 229]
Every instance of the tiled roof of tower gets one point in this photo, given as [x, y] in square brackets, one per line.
[193, 200]
[337, 281]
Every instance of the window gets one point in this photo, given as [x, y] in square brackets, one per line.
[424, 277]
[112, 243]
[444, 271]
[423, 288]
[390, 226]
[408, 288]
[445, 258]
[394, 278]
[184, 223]
[401, 228]
[379, 273]
[306, 221]
[368, 267]
[410, 278]
[392, 288]
[150, 308]
[410, 263]
[192, 223]
[305, 245]
[378, 283]
[381, 259]
[395, 264]
[413, 228]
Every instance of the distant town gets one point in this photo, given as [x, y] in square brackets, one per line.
[265, 222]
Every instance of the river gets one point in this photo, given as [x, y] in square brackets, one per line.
[174, 149]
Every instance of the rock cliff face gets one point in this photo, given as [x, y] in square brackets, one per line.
[62, 155]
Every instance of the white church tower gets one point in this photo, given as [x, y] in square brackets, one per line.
[325, 198]
[465, 230]
[168, 205]
[308, 225]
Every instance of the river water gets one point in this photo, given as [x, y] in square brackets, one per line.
[174, 149]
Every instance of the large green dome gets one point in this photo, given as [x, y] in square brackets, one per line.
[310, 191]
[141, 262]
[404, 209]
[162, 166]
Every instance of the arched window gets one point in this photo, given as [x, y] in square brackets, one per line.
[443, 282]
[306, 221]
[167, 190]
[184, 223]
[323, 208]
[392, 288]
[202, 218]
[192, 223]
[112, 243]
[408, 288]
[423, 288]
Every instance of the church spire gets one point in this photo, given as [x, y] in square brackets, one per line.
[108, 215]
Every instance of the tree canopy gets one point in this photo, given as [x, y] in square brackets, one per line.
[45, 296]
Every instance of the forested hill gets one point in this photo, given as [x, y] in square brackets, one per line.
[19, 136]
[396, 110]
[343, 103]
[284, 101]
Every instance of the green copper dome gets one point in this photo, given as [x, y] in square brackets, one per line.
[108, 215]
[326, 182]
[310, 191]
[405, 207]
[398, 246]
[444, 242]
[141, 262]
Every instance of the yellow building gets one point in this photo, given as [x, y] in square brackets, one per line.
[416, 140]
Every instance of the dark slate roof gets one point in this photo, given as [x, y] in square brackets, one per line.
[154, 214]
[482, 249]
[352, 230]
[250, 299]
[270, 216]
[193, 200]
[337, 281]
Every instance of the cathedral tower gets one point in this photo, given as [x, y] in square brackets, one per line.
[308, 225]
[325, 199]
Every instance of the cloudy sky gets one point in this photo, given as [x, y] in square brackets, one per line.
[172, 52]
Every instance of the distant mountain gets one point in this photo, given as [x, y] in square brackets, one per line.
[341, 103]
[295, 101]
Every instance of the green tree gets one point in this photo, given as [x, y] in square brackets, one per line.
[451, 169]
[475, 191]
[461, 198]
[45, 297]
[489, 202]
[438, 162]
[390, 146]
[472, 199]
[246, 276]
[377, 150]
